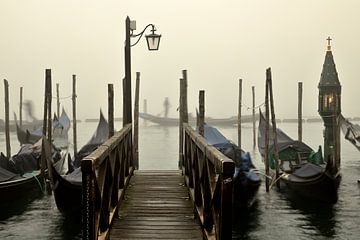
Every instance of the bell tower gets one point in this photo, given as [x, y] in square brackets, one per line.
[329, 108]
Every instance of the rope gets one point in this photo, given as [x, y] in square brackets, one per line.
[61, 98]
[38, 181]
[256, 107]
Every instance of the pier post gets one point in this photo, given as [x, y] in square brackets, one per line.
[111, 109]
[7, 126]
[239, 113]
[201, 112]
[74, 114]
[300, 92]
[57, 101]
[49, 130]
[253, 116]
[183, 114]
[20, 107]
[266, 157]
[127, 84]
[273, 121]
[136, 121]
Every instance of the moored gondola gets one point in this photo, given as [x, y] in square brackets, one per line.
[246, 176]
[69, 184]
[302, 171]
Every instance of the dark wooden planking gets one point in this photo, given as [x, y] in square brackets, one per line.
[156, 206]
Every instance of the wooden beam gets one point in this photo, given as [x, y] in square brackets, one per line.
[7, 126]
[136, 122]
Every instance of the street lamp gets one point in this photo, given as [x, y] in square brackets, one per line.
[153, 41]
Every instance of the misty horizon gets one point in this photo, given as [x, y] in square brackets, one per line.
[217, 42]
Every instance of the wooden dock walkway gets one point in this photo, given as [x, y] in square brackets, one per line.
[156, 206]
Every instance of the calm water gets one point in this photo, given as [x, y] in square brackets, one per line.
[273, 217]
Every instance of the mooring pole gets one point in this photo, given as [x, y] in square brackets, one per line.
[111, 109]
[273, 121]
[186, 118]
[74, 114]
[44, 130]
[7, 126]
[20, 107]
[300, 91]
[49, 129]
[253, 116]
[266, 157]
[201, 112]
[136, 121]
[57, 101]
[239, 113]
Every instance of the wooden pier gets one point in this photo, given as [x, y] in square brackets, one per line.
[156, 206]
[121, 202]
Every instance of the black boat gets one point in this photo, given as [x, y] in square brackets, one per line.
[69, 184]
[246, 176]
[351, 131]
[20, 175]
[60, 128]
[168, 121]
[302, 171]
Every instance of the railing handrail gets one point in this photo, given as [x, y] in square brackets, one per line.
[105, 175]
[208, 175]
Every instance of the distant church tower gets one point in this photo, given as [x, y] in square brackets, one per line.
[329, 108]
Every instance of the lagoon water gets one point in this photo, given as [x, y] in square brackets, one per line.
[274, 216]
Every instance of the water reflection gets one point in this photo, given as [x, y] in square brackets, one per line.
[316, 218]
[17, 206]
[69, 226]
[246, 221]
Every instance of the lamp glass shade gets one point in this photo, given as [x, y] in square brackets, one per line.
[153, 41]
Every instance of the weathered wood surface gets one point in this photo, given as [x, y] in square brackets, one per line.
[156, 206]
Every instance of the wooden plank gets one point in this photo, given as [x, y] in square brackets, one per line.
[156, 206]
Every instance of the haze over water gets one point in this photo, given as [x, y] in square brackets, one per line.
[218, 42]
[273, 217]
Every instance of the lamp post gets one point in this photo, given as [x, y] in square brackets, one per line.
[153, 41]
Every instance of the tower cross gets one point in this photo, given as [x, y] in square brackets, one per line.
[329, 43]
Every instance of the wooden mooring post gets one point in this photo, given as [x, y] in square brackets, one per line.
[266, 157]
[136, 121]
[239, 113]
[111, 109]
[7, 126]
[300, 91]
[183, 115]
[57, 101]
[74, 114]
[273, 121]
[253, 116]
[20, 107]
[201, 121]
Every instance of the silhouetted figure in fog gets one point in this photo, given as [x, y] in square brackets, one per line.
[166, 107]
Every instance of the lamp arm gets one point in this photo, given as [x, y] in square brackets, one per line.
[140, 34]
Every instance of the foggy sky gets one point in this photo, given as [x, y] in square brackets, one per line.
[218, 42]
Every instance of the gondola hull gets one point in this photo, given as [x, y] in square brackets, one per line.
[322, 188]
[12, 190]
[67, 195]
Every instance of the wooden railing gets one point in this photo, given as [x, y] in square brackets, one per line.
[209, 176]
[105, 175]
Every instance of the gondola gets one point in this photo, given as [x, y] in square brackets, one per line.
[20, 175]
[69, 184]
[167, 121]
[60, 127]
[351, 131]
[246, 176]
[302, 171]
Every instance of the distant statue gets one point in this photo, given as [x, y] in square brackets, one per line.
[166, 107]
